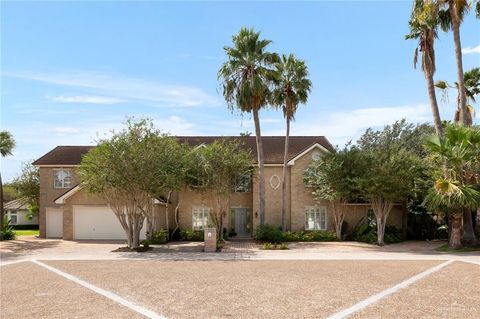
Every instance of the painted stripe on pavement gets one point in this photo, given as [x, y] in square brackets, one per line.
[110, 295]
[373, 299]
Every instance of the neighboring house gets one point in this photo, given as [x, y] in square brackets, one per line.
[68, 212]
[17, 211]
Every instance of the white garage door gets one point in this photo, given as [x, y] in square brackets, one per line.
[54, 222]
[97, 222]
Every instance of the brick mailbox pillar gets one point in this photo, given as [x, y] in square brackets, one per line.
[210, 238]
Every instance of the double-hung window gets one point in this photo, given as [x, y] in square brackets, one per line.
[12, 216]
[315, 218]
[62, 178]
[200, 218]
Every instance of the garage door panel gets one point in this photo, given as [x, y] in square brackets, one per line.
[97, 222]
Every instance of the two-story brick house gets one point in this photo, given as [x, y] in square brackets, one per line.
[68, 212]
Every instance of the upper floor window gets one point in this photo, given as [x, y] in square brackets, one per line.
[62, 178]
[243, 184]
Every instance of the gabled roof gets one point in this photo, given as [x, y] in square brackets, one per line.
[273, 148]
[16, 204]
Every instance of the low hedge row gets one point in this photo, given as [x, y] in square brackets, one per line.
[272, 234]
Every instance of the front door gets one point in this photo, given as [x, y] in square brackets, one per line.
[241, 221]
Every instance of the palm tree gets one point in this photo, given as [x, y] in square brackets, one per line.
[450, 18]
[6, 147]
[291, 88]
[247, 77]
[472, 88]
[453, 193]
[423, 27]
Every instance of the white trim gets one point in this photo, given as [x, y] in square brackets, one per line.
[316, 145]
[317, 209]
[200, 146]
[110, 295]
[373, 299]
[61, 199]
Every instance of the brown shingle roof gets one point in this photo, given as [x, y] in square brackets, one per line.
[272, 147]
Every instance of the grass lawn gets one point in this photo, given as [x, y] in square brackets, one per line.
[446, 249]
[27, 232]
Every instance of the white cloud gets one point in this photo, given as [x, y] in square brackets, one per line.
[64, 130]
[471, 50]
[127, 88]
[85, 99]
[340, 127]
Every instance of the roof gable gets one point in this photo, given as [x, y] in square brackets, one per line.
[273, 148]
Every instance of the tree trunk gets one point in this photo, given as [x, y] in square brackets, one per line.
[468, 232]
[167, 219]
[458, 59]
[455, 240]
[284, 173]
[381, 209]
[338, 208]
[261, 168]
[1, 203]
[176, 216]
[433, 103]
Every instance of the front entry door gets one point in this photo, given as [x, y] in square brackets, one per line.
[241, 221]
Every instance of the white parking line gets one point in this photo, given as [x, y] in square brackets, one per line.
[13, 262]
[110, 295]
[372, 299]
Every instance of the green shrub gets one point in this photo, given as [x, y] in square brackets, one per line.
[368, 234]
[283, 246]
[191, 235]
[158, 238]
[315, 235]
[268, 246]
[145, 243]
[268, 233]
[7, 232]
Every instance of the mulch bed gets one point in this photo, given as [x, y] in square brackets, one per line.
[128, 250]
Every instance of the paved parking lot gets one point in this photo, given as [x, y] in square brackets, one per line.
[236, 289]
[58, 279]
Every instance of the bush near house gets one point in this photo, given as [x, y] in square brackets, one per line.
[191, 235]
[315, 235]
[367, 233]
[274, 235]
[268, 233]
[158, 238]
[7, 232]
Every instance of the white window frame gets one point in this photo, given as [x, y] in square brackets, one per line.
[199, 223]
[13, 214]
[316, 218]
[62, 183]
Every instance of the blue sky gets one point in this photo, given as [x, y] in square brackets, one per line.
[70, 71]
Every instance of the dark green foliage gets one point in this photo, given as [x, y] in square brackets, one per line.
[7, 232]
[363, 232]
[274, 235]
[191, 235]
[158, 238]
[316, 235]
[268, 233]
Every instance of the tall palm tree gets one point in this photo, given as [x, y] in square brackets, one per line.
[292, 87]
[453, 193]
[247, 77]
[7, 145]
[423, 27]
[450, 18]
[472, 89]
